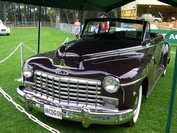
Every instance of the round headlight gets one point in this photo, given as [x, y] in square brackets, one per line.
[111, 84]
[27, 70]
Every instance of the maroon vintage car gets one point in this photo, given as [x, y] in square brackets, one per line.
[99, 78]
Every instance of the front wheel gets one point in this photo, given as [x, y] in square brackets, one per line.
[137, 107]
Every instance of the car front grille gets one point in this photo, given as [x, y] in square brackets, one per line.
[3, 29]
[68, 90]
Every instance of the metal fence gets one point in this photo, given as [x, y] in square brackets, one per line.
[66, 27]
[60, 26]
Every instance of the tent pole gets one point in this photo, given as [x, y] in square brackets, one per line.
[172, 97]
[39, 27]
[81, 16]
[81, 19]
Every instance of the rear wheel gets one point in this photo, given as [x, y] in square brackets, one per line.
[137, 107]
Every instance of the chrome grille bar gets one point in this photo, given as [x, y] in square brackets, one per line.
[68, 89]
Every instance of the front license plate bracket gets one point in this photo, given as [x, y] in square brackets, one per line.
[52, 111]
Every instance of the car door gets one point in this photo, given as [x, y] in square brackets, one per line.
[154, 50]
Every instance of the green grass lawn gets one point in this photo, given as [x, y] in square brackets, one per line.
[154, 110]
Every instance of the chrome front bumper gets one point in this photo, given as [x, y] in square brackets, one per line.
[83, 114]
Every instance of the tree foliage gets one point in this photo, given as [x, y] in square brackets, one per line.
[17, 12]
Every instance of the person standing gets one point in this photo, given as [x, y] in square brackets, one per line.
[100, 25]
[77, 27]
[103, 26]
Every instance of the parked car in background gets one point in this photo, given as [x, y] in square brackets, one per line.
[149, 17]
[99, 78]
[4, 30]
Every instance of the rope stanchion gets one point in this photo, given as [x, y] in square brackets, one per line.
[30, 49]
[21, 45]
[22, 60]
[21, 109]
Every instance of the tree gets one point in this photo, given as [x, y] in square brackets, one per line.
[4, 11]
[51, 12]
[14, 13]
[75, 15]
[24, 14]
[34, 13]
[67, 16]
[18, 12]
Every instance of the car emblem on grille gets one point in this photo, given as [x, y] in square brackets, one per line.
[44, 85]
[61, 72]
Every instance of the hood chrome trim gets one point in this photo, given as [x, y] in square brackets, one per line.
[119, 51]
[65, 67]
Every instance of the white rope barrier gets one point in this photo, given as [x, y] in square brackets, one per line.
[67, 40]
[29, 49]
[10, 54]
[21, 45]
[30, 116]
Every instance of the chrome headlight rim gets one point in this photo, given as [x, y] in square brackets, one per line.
[111, 84]
[27, 71]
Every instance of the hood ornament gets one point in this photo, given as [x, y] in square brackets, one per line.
[63, 65]
[62, 62]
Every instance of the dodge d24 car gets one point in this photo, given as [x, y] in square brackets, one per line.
[99, 78]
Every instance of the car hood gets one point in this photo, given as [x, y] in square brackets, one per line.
[101, 55]
[2, 26]
[82, 48]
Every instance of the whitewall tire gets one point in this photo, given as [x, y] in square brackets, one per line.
[137, 108]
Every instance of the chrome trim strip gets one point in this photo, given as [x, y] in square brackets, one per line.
[66, 78]
[27, 82]
[131, 83]
[66, 67]
[19, 92]
[119, 51]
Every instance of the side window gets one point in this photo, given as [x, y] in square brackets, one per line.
[90, 28]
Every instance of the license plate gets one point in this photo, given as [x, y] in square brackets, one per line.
[52, 111]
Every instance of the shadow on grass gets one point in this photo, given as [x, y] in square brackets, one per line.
[66, 126]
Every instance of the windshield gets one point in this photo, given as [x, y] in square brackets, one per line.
[110, 26]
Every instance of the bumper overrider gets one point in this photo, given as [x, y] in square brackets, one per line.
[84, 114]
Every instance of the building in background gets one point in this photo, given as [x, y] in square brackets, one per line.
[135, 9]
